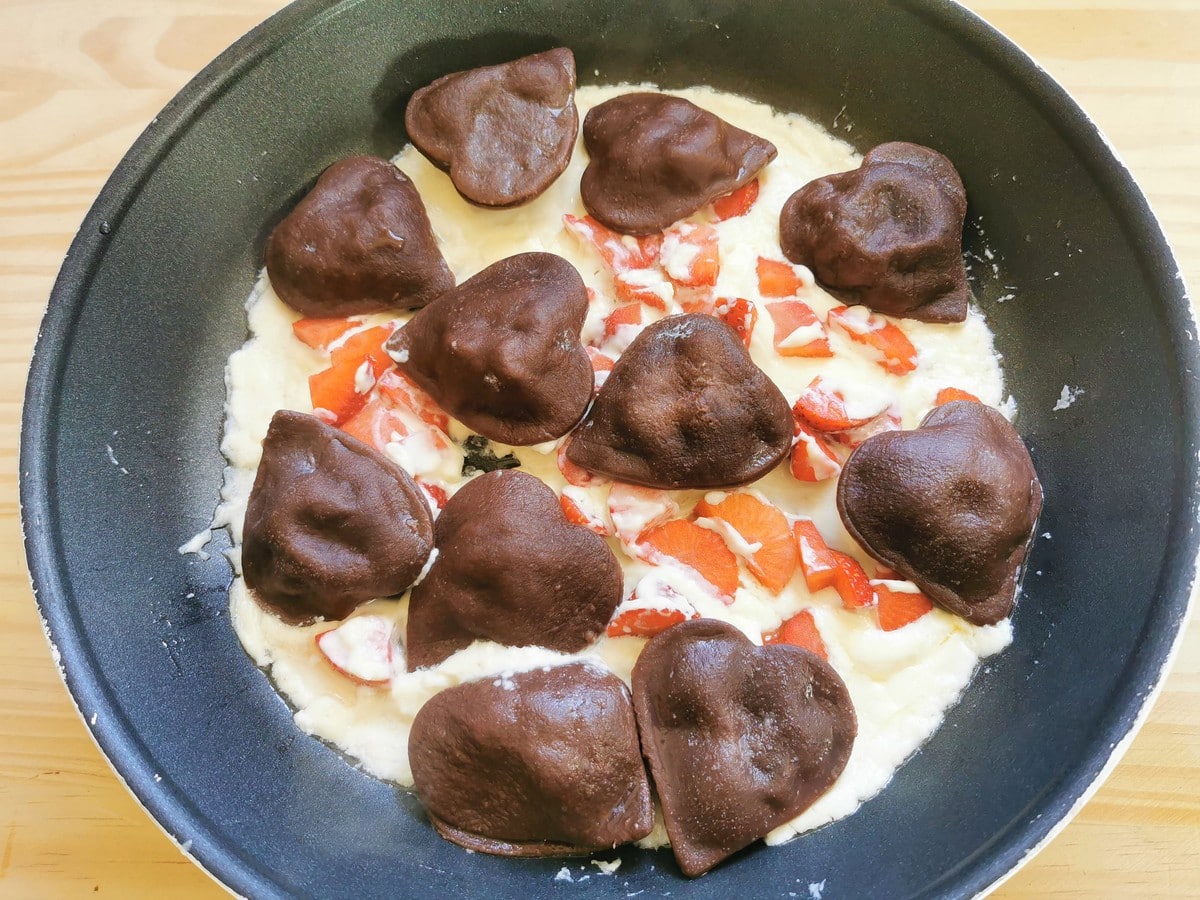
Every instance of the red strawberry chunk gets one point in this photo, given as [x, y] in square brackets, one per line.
[812, 458]
[360, 648]
[798, 331]
[739, 314]
[434, 493]
[320, 333]
[695, 548]
[778, 279]
[575, 474]
[619, 252]
[653, 606]
[888, 420]
[645, 622]
[602, 364]
[817, 561]
[580, 510]
[891, 347]
[690, 255]
[377, 424]
[335, 391]
[400, 391]
[629, 315]
[949, 394]
[801, 631]
[774, 562]
[644, 286]
[635, 510]
[697, 300]
[824, 408]
[737, 202]
[851, 581]
[365, 345]
[899, 608]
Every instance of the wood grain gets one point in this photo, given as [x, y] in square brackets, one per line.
[79, 80]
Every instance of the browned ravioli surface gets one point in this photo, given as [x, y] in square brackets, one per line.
[331, 523]
[685, 407]
[540, 763]
[951, 506]
[511, 569]
[740, 738]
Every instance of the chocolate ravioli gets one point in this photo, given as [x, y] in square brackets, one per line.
[887, 235]
[511, 569]
[505, 132]
[951, 506]
[330, 523]
[685, 407]
[740, 739]
[359, 242]
[501, 351]
[540, 763]
[655, 159]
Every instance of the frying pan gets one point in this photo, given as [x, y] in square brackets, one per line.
[123, 412]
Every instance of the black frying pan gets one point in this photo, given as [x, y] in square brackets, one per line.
[148, 306]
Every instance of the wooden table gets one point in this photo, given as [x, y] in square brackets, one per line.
[79, 79]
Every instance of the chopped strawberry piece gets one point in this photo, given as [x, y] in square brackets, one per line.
[653, 606]
[699, 549]
[635, 509]
[739, 314]
[435, 493]
[778, 279]
[900, 608]
[644, 286]
[645, 622]
[602, 364]
[580, 509]
[360, 648]
[824, 408]
[697, 300]
[798, 331]
[619, 252]
[891, 347]
[774, 563]
[334, 391]
[401, 391]
[949, 394]
[366, 344]
[812, 458]
[376, 424]
[817, 561]
[628, 315]
[320, 333]
[887, 420]
[884, 573]
[690, 255]
[800, 630]
[576, 475]
[851, 581]
[737, 202]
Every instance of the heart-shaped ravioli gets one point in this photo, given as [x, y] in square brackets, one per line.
[655, 159]
[740, 739]
[887, 235]
[539, 763]
[331, 523]
[501, 351]
[505, 132]
[359, 242]
[511, 569]
[951, 506]
[685, 407]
